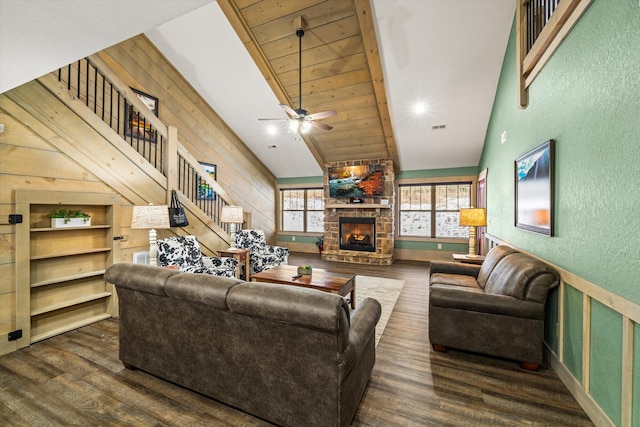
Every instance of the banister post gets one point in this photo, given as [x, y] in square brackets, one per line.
[171, 159]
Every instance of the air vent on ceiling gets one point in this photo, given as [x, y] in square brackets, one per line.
[436, 127]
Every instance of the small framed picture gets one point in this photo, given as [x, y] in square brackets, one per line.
[137, 126]
[204, 191]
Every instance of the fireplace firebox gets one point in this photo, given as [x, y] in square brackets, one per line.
[358, 234]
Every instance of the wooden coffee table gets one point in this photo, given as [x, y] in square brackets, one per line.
[322, 280]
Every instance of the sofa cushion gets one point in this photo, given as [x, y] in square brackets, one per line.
[523, 277]
[454, 279]
[492, 259]
[301, 306]
[201, 289]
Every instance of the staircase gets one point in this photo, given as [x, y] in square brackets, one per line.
[122, 118]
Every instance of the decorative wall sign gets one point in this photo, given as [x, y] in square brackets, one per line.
[205, 192]
[138, 126]
[534, 192]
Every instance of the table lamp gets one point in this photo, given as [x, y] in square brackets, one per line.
[150, 217]
[232, 215]
[472, 218]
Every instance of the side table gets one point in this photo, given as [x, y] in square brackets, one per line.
[242, 255]
[465, 258]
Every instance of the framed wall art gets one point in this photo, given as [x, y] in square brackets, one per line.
[205, 192]
[137, 127]
[534, 189]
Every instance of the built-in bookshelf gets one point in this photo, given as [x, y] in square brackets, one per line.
[60, 282]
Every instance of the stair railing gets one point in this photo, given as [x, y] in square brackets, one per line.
[92, 81]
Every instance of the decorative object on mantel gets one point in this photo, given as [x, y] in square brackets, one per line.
[150, 217]
[232, 215]
[304, 269]
[64, 218]
[320, 243]
[473, 217]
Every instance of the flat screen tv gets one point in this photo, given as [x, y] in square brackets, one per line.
[356, 181]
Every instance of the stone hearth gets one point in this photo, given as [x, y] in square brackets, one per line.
[380, 208]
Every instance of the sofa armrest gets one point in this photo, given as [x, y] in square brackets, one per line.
[139, 277]
[454, 268]
[464, 299]
[363, 325]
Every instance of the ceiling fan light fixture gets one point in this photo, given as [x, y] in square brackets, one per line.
[305, 127]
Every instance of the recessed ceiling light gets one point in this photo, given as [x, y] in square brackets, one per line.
[272, 130]
[272, 146]
[419, 108]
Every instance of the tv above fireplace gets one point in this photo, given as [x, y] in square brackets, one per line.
[356, 181]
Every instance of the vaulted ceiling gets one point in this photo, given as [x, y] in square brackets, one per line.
[341, 70]
[371, 61]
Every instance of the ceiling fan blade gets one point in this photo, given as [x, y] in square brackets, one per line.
[290, 111]
[322, 115]
[321, 125]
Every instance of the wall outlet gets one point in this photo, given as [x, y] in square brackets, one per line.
[503, 137]
[439, 245]
[293, 238]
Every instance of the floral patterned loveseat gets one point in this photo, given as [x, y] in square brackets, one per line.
[184, 252]
[262, 256]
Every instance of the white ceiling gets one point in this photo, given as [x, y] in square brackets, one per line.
[444, 53]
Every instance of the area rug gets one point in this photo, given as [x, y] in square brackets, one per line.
[386, 291]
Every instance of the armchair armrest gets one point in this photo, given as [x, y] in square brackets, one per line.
[454, 268]
[455, 297]
[216, 262]
[363, 324]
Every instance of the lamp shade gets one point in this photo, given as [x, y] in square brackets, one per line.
[150, 217]
[231, 214]
[473, 217]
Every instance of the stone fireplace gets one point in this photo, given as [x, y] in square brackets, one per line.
[360, 231]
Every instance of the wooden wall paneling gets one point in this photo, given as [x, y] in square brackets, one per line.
[198, 135]
[105, 132]
[180, 105]
[71, 138]
[10, 182]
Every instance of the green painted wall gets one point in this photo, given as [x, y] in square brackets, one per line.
[437, 173]
[586, 98]
[573, 331]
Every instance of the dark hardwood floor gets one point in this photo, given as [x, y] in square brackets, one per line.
[77, 379]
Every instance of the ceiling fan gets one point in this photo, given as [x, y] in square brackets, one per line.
[300, 119]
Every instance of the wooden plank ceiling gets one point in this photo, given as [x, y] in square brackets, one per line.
[341, 70]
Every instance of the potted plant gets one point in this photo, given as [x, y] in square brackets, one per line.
[61, 218]
[320, 243]
[304, 269]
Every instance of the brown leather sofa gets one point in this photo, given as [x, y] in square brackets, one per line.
[292, 356]
[495, 309]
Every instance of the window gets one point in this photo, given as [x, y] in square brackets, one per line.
[433, 210]
[303, 210]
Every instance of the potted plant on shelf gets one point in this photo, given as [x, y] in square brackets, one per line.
[61, 218]
[320, 243]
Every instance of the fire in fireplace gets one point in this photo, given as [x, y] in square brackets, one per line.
[358, 234]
